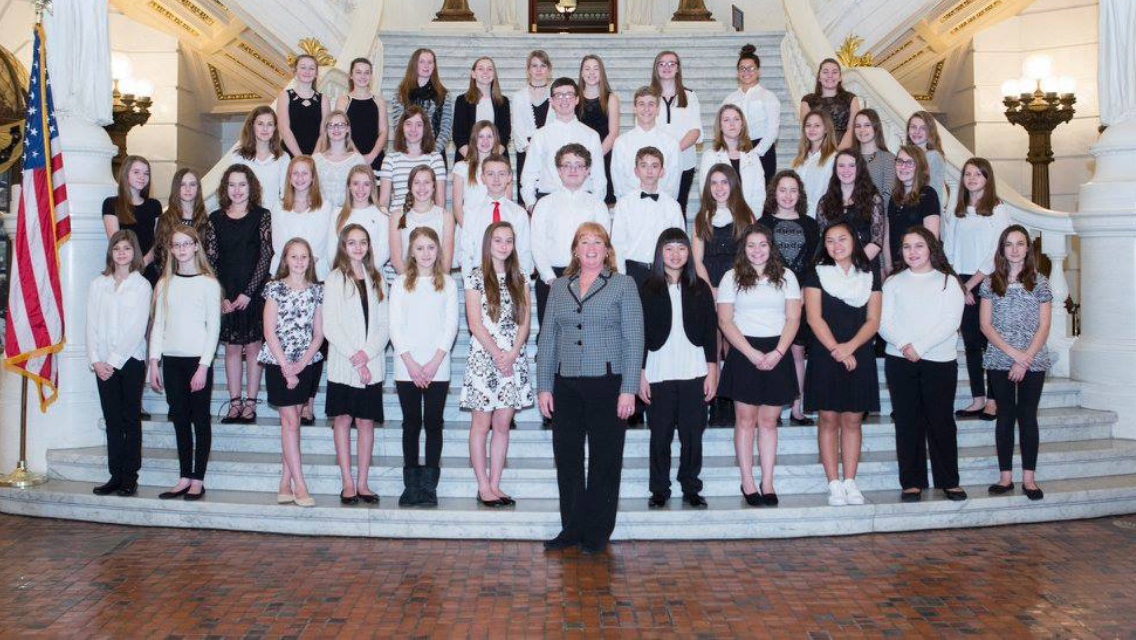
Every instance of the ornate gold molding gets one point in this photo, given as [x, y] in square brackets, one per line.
[895, 52]
[847, 55]
[909, 59]
[198, 11]
[935, 77]
[169, 15]
[953, 12]
[314, 48]
[972, 19]
[259, 57]
[219, 90]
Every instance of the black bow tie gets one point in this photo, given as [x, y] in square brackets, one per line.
[653, 196]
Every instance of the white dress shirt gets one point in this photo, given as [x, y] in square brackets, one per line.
[815, 174]
[554, 223]
[678, 358]
[682, 121]
[762, 112]
[623, 160]
[377, 225]
[478, 220]
[540, 166]
[422, 322]
[972, 242]
[637, 223]
[751, 172]
[116, 319]
[312, 225]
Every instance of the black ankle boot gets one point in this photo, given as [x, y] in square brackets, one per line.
[428, 484]
[411, 493]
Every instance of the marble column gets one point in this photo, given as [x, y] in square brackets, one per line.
[1104, 356]
[78, 62]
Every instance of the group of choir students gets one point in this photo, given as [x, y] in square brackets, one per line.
[324, 246]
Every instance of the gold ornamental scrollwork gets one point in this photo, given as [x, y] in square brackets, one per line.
[847, 55]
[314, 48]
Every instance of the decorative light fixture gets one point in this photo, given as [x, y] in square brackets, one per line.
[1039, 101]
[131, 104]
[566, 8]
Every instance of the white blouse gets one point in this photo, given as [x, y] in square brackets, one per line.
[116, 319]
[187, 318]
[759, 312]
[682, 121]
[678, 358]
[752, 175]
[434, 218]
[473, 195]
[422, 322]
[312, 225]
[333, 177]
[523, 121]
[815, 174]
[971, 242]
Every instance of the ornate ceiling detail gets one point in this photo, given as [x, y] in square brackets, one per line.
[846, 53]
[219, 89]
[314, 48]
[934, 86]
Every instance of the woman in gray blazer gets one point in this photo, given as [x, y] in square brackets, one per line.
[588, 364]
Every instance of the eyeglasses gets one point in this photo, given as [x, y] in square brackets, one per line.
[904, 163]
[747, 69]
[183, 245]
[574, 166]
[668, 64]
[564, 95]
[337, 125]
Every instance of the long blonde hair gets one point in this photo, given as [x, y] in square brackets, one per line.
[282, 270]
[315, 198]
[437, 272]
[827, 143]
[342, 262]
[605, 86]
[169, 271]
[348, 202]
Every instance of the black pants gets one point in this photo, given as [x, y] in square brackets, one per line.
[412, 399]
[677, 404]
[517, 177]
[1017, 402]
[189, 409]
[542, 291]
[923, 395]
[974, 343]
[684, 185]
[585, 410]
[121, 400]
[639, 271]
[768, 161]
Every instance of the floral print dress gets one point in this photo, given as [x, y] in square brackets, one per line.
[485, 388]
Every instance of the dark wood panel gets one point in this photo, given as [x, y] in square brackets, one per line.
[591, 16]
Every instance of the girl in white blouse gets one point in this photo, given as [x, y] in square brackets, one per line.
[361, 207]
[680, 116]
[423, 325]
[816, 156]
[336, 154]
[303, 213]
[420, 211]
[118, 309]
[970, 239]
[732, 146]
[355, 322]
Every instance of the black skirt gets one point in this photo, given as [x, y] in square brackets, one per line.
[279, 395]
[743, 382]
[364, 403]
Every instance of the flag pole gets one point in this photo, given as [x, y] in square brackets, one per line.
[22, 478]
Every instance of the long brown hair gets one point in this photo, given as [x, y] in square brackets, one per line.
[473, 94]
[827, 143]
[342, 262]
[1000, 279]
[123, 204]
[745, 275]
[427, 143]
[818, 91]
[408, 202]
[123, 235]
[282, 270]
[771, 207]
[349, 201]
[605, 85]
[938, 257]
[246, 148]
[350, 81]
[171, 219]
[865, 196]
[591, 229]
[410, 79]
[514, 280]
[254, 187]
[315, 198]
[437, 272]
[472, 156]
[989, 200]
[324, 142]
[899, 193]
[877, 127]
[934, 143]
[743, 215]
[657, 83]
[719, 143]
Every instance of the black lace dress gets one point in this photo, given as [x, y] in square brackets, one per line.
[838, 107]
[240, 251]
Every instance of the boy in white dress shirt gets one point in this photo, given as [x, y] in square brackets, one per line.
[496, 175]
[645, 134]
[557, 217]
[640, 216]
[541, 176]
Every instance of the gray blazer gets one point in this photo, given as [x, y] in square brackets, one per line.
[587, 337]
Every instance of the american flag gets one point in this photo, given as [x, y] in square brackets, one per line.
[34, 333]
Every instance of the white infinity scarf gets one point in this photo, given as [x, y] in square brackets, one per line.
[854, 287]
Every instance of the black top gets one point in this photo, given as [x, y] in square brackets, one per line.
[719, 253]
[240, 251]
[699, 317]
[144, 226]
[364, 118]
[361, 285]
[540, 113]
[842, 319]
[903, 217]
[592, 115]
[465, 116]
[304, 118]
[869, 229]
[838, 107]
[797, 241]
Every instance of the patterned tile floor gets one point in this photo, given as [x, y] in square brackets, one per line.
[71, 579]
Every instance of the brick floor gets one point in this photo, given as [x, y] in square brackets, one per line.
[1069, 579]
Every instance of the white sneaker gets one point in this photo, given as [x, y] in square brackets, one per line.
[836, 497]
[852, 493]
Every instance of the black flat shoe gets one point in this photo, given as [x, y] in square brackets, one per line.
[492, 504]
[369, 498]
[307, 422]
[507, 501]
[590, 549]
[657, 501]
[957, 495]
[988, 417]
[770, 499]
[695, 500]
[169, 495]
[969, 413]
[1033, 494]
[235, 405]
[559, 542]
[801, 422]
[193, 497]
[107, 489]
[348, 499]
[127, 489]
[911, 496]
[753, 499]
[999, 489]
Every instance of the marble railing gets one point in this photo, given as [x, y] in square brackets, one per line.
[805, 46]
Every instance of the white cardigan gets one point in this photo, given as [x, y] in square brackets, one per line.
[752, 174]
[346, 333]
[523, 124]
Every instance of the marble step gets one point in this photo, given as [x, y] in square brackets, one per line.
[726, 518]
[530, 440]
[527, 478]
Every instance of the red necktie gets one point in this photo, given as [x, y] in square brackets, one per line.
[497, 211]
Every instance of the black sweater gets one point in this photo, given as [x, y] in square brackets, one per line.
[465, 116]
[699, 317]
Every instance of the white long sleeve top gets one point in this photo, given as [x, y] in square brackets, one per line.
[923, 310]
[623, 160]
[637, 223]
[522, 120]
[972, 242]
[377, 225]
[762, 110]
[751, 172]
[422, 322]
[815, 174]
[554, 223]
[540, 165]
[187, 318]
[478, 220]
[116, 319]
[347, 333]
[312, 225]
[682, 121]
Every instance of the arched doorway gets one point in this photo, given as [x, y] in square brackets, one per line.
[584, 16]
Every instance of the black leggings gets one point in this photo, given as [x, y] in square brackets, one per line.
[412, 399]
[189, 409]
[1017, 402]
[121, 400]
[974, 342]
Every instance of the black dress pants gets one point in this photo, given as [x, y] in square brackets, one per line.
[639, 271]
[517, 177]
[542, 291]
[121, 400]
[1017, 402]
[974, 344]
[768, 160]
[412, 398]
[922, 396]
[585, 411]
[684, 184]
[677, 404]
[189, 411]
